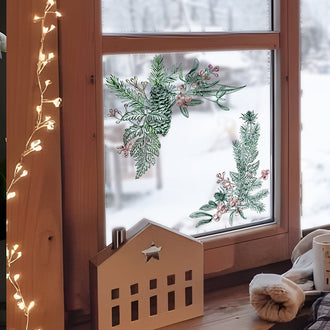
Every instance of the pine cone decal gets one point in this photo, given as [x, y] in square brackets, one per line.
[161, 102]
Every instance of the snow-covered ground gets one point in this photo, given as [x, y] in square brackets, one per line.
[315, 153]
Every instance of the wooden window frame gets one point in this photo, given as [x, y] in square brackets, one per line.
[219, 248]
[81, 47]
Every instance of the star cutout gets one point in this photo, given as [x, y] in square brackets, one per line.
[152, 252]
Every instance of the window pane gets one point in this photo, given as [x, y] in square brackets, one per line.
[195, 148]
[160, 16]
[315, 115]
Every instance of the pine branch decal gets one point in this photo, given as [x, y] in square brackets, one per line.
[240, 191]
[149, 105]
[134, 99]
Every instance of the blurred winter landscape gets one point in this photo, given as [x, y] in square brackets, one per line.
[199, 147]
[315, 114]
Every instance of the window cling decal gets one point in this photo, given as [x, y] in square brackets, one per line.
[149, 105]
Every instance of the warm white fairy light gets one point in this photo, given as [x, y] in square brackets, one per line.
[17, 296]
[36, 18]
[11, 195]
[25, 173]
[32, 145]
[57, 102]
[35, 143]
[42, 56]
[18, 167]
[51, 28]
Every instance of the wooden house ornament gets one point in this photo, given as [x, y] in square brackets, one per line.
[154, 278]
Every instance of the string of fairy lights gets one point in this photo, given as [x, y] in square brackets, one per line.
[32, 145]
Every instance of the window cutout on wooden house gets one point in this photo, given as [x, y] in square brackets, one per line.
[153, 284]
[153, 305]
[171, 279]
[115, 316]
[188, 275]
[134, 310]
[115, 293]
[134, 288]
[171, 300]
[188, 296]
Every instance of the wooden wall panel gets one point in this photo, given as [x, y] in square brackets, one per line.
[295, 121]
[291, 123]
[81, 173]
[35, 215]
[177, 43]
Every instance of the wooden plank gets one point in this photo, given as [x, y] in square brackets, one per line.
[226, 309]
[112, 44]
[79, 149]
[35, 215]
[294, 121]
[290, 122]
[100, 127]
[245, 235]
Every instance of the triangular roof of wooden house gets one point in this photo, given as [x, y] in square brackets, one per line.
[137, 229]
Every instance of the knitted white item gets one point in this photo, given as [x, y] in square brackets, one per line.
[302, 258]
[275, 298]
[302, 271]
[278, 298]
[306, 243]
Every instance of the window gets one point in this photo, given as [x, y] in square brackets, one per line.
[171, 301]
[134, 289]
[171, 279]
[115, 316]
[153, 284]
[315, 79]
[153, 305]
[135, 310]
[199, 147]
[195, 149]
[188, 275]
[188, 295]
[115, 293]
[188, 16]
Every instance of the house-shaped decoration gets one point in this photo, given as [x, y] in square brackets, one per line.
[153, 279]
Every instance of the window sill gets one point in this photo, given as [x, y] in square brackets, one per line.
[245, 249]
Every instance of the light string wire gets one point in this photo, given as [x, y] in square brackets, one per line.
[32, 145]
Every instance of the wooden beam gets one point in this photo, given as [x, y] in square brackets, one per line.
[35, 215]
[120, 44]
[291, 123]
[82, 210]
